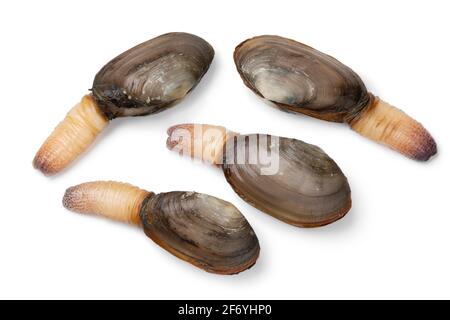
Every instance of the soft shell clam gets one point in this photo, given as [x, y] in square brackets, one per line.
[289, 179]
[146, 79]
[301, 79]
[205, 231]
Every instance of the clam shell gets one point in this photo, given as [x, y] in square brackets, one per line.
[152, 76]
[301, 79]
[307, 190]
[203, 230]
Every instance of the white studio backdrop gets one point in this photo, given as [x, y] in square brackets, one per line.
[392, 244]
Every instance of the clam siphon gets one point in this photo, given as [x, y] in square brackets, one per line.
[205, 231]
[146, 79]
[289, 179]
[300, 79]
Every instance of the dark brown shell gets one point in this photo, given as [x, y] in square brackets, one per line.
[206, 231]
[152, 76]
[307, 190]
[298, 78]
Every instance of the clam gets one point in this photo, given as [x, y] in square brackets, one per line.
[205, 231]
[291, 180]
[300, 79]
[146, 79]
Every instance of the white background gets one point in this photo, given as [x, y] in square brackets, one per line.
[394, 243]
